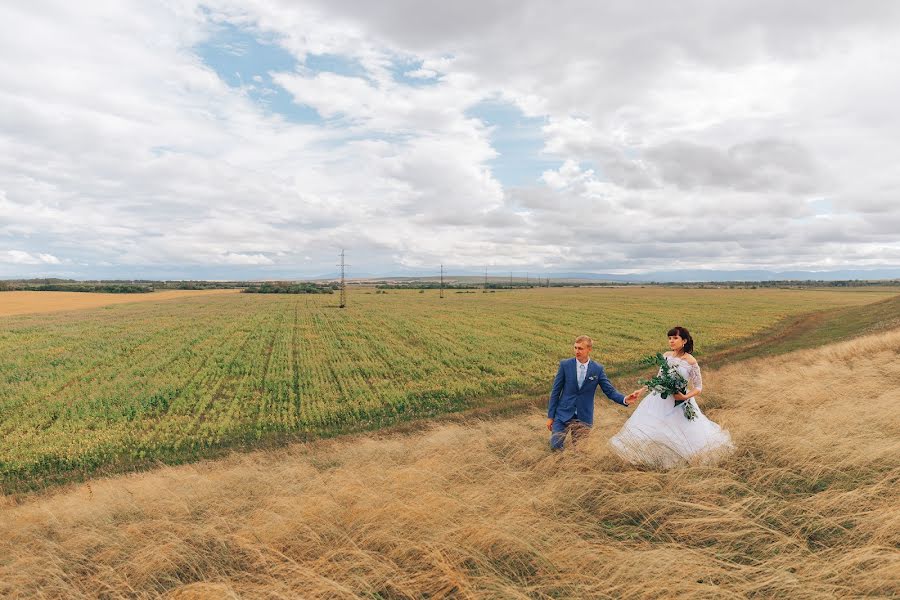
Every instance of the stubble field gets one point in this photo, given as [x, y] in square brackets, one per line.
[133, 385]
[20, 303]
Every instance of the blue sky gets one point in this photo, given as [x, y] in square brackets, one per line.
[518, 140]
[245, 58]
[205, 139]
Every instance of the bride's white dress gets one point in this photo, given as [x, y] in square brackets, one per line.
[658, 433]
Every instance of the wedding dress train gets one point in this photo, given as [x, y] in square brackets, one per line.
[658, 434]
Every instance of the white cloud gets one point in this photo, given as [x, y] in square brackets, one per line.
[421, 74]
[19, 257]
[569, 174]
[232, 258]
[700, 130]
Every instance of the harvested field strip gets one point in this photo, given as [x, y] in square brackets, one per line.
[21, 303]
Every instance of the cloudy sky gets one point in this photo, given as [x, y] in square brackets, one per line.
[256, 138]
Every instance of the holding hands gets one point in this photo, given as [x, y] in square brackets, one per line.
[634, 396]
[629, 400]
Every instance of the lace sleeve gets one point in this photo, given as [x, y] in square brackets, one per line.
[695, 378]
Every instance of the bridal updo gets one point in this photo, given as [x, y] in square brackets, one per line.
[685, 335]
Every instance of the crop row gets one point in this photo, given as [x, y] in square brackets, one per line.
[132, 384]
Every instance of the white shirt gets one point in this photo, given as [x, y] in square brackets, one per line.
[582, 371]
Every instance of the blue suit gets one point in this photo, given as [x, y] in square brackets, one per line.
[571, 405]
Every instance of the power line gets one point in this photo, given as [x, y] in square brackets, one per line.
[343, 281]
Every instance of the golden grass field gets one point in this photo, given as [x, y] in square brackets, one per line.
[21, 303]
[807, 507]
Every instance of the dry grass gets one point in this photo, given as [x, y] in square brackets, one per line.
[808, 507]
[21, 303]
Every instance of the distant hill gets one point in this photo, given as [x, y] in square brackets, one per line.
[675, 276]
[690, 275]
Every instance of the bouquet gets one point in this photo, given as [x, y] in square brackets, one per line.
[668, 381]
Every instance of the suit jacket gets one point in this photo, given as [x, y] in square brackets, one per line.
[567, 400]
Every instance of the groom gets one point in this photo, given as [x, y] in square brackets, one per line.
[572, 397]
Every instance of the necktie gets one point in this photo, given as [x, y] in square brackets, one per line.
[582, 369]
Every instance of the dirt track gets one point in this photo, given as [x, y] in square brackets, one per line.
[20, 303]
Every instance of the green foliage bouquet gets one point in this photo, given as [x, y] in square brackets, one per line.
[667, 382]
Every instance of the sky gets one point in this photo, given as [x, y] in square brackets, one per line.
[257, 138]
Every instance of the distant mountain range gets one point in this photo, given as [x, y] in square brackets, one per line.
[689, 275]
[677, 276]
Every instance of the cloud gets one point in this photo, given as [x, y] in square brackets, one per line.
[232, 258]
[421, 74]
[765, 165]
[19, 257]
[723, 134]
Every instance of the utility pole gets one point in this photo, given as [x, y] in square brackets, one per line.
[343, 281]
[442, 281]
[485, 278]
[510, 280]
[527, 283]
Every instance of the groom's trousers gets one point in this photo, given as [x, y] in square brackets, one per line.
[559, 429]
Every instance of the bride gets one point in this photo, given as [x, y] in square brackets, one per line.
[658, 432]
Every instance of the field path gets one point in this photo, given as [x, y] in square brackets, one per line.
[814, 329]
[23, 303]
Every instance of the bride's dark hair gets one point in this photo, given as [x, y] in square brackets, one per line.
[685, 335]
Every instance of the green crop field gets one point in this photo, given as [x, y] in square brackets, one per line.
[129, 385]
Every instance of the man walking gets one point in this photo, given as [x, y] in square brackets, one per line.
[571, 406]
